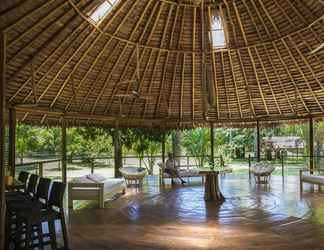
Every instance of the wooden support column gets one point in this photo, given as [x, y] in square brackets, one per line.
[311, 145]
[2, 136]
[258, 144]
[12, 141]
[63, 152]
[212, 143]
[163, 148]
[118, 152]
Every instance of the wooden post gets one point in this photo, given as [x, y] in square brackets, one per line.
[63, 152]
[12, 141]
[118, 153]
[258, 144]
[212, 143]
[311, 145]
[41, 169]
[163, 148]
[2, 142]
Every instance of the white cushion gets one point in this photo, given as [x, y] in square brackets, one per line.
[98, 178]
[313, 179]
[82, 179]
[111, 183]
[184, 173]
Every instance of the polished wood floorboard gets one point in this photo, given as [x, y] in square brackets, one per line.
[273, 216]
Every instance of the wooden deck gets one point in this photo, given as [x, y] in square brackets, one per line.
[252, 217]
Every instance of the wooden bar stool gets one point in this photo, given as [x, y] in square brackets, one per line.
[40, 201]
[35, 217]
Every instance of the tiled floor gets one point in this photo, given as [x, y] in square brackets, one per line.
[252, 217]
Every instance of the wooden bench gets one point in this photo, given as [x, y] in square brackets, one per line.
[182, 171]
[311, 179]
[83, 188]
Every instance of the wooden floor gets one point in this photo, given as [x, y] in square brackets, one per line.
[252, 217]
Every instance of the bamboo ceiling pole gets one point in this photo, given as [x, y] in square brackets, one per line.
[2, 133]
[203, 59]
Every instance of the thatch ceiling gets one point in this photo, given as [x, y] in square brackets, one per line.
[271, 69]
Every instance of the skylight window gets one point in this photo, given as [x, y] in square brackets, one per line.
[217, 33]
[102, 10]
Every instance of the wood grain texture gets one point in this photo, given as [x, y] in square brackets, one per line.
[252, 217]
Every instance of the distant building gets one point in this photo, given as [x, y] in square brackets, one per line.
[284, 142]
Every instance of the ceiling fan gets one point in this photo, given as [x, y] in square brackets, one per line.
[135, 94]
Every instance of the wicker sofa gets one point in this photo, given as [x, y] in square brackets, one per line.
[182, 171]
[316, 179]
[94, 187]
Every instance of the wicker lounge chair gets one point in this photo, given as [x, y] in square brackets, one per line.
[133, 175]
[262, 172]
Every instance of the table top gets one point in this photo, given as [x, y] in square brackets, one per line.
[211, 171]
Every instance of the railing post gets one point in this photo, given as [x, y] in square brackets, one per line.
[40, 169]
[92, 165]
[187, 161]
[249, 166]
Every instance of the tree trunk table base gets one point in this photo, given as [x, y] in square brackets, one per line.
[212, 190]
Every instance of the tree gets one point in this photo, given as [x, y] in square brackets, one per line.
[176, 145]
[26, 140]
[146, 142]
[197, 144]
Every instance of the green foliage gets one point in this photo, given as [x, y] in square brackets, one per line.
[197, 144]
[146, 142]
[26, 140]
[92, 142]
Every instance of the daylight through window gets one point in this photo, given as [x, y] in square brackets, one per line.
[102, 10]
[217, 33]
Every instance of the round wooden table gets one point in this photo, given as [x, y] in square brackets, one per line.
[212, 189]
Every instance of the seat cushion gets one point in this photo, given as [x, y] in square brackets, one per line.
[98, 178]
[313, 179]
[111, 183]
[184, 173]
[262, 169]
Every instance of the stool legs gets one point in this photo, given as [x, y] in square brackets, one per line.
[64, 233]
[52, 232]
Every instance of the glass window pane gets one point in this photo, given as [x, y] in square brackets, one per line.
[218, 38]
[102, 10]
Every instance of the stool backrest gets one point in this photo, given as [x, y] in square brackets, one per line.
[31, 187]
[43, 189]
[23, 177]
[57, 195]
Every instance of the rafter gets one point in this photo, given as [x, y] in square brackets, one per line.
[84, 54]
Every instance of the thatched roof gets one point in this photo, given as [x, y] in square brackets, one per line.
[272, 67]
